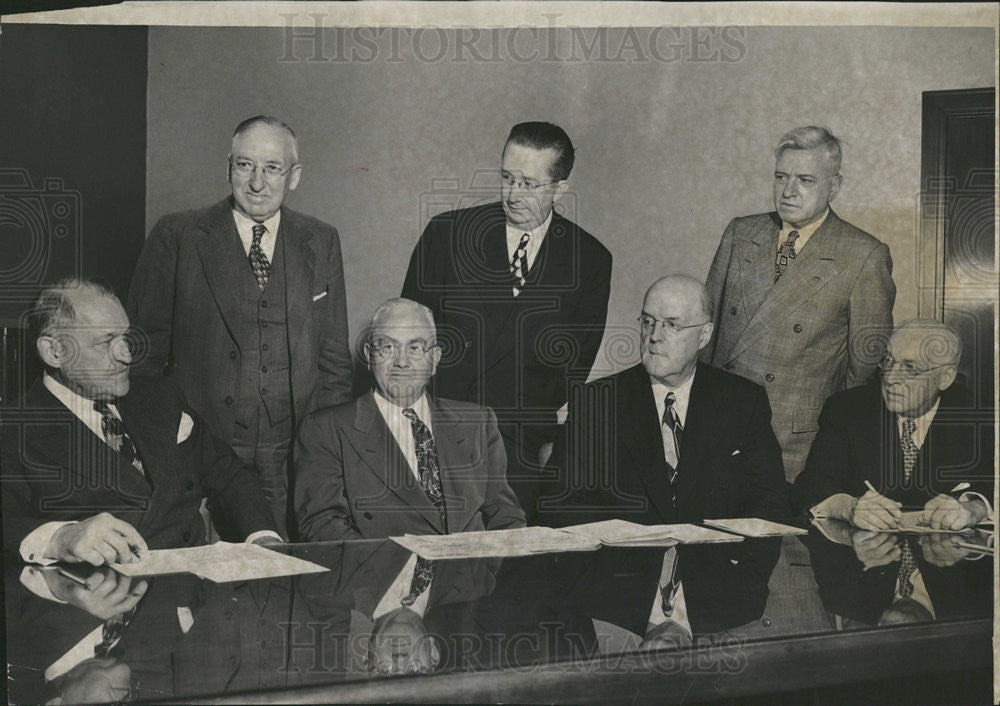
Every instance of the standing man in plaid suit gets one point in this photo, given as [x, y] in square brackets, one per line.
[803, 299]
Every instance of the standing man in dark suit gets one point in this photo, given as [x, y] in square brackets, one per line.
[97, 468]
[915, 442]
[672, 440]
[243, 304]
[802, 299]
[521, 293]
[397, 460]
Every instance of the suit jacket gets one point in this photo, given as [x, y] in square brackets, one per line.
[818, 330]
[185, 298]
[963, 590]
[353, 482]
[55, 468]
[513, 355]
[611, 465]
[858, 440]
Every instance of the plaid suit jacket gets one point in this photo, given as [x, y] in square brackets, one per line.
[820, 329]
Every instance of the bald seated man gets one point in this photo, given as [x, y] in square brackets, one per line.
[915, 441]
[672, 440]
[398, 460]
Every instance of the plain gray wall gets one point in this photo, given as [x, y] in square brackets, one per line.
[667, 151]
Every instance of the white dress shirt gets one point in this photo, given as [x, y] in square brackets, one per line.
[534, 243]
[399, 589]
[402, 429]
[245, 226]
[805, 232]
[682, 396]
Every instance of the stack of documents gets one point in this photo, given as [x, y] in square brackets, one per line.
[755, 527]
[513, 542]
[620, 533]
[219, 562]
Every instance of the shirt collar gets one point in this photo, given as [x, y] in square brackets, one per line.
[805, 232]
[537, 233]
[682, 395]
[421, 407]
[923, 423]
[76, 403]
[245, 225]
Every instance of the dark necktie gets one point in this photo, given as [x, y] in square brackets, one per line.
[672, 432]
[786, 253]
[519, 263]
[112, 631]
[910, 450]
[668, 589]
[907, 565]
[430, 481]
[116, 436]
[258, 260]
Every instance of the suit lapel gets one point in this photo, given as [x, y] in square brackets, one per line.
[703, 415]
[814, 267]
[216, 250]
[381, 454]
[642, 438]
[757, 265]
[483, 260]
[153, 430]
[451, 438]
[299, 261]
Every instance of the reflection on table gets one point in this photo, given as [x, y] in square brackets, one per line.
[379, 612]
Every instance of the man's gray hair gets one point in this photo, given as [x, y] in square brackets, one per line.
[273, 122]
[940, 343]
[812, 137]
[54, 306]
[395, 304]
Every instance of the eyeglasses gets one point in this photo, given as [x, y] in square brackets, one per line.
[526, 184]
[648, 324]
[388, 348]
[888, 364]
[246, 167]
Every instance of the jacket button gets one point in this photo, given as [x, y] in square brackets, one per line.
[232, 355]
[766, 622]
[263, 347]
[263, 304]
[263, 324]
[468, 344]
[368, 516]
[732, 311]
[769, 377]
[728, 366]
[797, 328]
[229, 400]
[263, 369]
[263, 390]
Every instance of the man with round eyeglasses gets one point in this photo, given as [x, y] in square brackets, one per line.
[916, 442]
[398, 460]
[243, 305]
[520, 293]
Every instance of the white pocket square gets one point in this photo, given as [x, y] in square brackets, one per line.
[734, 453]
[184, 428]
[319, 296]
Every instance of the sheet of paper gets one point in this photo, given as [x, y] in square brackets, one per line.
[620, 533]
[220, 562]
[910, 522]
[755, 527]
[500, 543]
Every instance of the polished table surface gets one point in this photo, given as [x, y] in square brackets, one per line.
[554, 627]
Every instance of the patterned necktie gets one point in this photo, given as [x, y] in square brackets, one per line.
[910, 450]
[907, 565]
[430, 481]
[112, 631]
[258, 260]
[786, 253]
[519, 263]
[672, 432]
[669, 588]
[116, 436]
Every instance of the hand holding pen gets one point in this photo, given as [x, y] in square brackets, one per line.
[98, 540]
[874, 511]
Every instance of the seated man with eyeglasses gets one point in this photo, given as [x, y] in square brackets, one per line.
[397, 460]
[917, 442]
